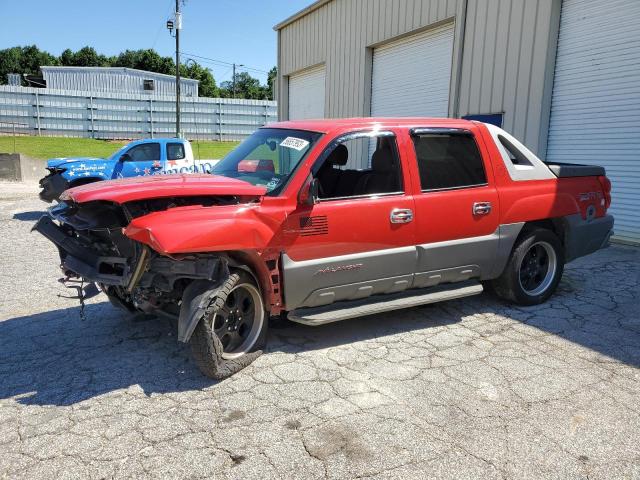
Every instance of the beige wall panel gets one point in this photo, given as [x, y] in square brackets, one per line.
[506, 65]
[348, 29]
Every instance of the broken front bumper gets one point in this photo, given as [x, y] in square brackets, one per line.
[83, 261]
[52, 187]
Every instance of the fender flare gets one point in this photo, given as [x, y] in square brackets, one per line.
[199, 294]
[195, 299]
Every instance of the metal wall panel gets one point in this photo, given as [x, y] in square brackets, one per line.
[109, 116]
[595, 113]
[341, 35]
[507, 59]
[411, 76]
[306, 94]
[504, 65]
[126, 80]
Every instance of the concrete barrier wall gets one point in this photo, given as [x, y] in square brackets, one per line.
[17, 167]
[10, 166]
[32, 169]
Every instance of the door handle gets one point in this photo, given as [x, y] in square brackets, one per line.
[401, 215]
[481, 208]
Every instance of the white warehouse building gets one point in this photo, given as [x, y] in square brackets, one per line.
[116, 79]
[563, 76]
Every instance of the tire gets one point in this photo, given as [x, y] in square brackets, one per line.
[223, 342]
[533, 270]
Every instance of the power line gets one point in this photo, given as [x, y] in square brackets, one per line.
[222, 62]
[169, 10]
[225, 74]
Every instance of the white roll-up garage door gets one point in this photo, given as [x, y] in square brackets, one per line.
[595, 109]
[306, 94]
[411, 76]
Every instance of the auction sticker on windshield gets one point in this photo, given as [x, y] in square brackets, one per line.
[295, 143]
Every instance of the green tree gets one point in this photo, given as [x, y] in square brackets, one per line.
[207, 86]
[23, 60]
[149, 60]
[29, 60]
[246, 87]
[85, 57]
[271, 83]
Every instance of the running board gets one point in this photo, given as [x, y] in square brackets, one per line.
[359, 308]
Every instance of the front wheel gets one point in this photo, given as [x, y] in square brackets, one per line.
[232, 328]
[534, 269]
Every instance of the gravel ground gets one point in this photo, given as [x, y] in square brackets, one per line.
[464, 389]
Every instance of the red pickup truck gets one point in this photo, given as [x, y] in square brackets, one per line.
[325, 220]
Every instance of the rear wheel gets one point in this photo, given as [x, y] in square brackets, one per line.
[534, 268]
[232, 328]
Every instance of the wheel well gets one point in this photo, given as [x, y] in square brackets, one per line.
[265, 271]
[556, 225]
[83, 181]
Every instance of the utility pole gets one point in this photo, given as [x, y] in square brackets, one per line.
[234, 78]
[178, 28]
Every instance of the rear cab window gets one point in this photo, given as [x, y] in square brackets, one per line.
[175, 151]
[448, 160]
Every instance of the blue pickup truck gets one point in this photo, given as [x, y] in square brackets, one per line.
[154, 156]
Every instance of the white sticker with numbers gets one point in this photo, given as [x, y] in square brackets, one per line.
[295, 143]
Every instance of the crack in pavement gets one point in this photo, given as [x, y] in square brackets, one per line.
[468, 388]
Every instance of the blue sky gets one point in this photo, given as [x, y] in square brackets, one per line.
[238, 31]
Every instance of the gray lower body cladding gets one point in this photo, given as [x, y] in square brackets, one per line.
[583, 237]
[318, 282]
[357, 308]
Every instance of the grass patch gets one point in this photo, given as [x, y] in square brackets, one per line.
[212, 150]
[52, 147]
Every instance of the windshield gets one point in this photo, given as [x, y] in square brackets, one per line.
[116, 155]
[268, 157]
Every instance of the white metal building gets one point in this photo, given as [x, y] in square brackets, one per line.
[561, 75]
[116, 79]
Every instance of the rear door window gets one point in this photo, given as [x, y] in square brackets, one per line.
[448, 161]
[147, 152]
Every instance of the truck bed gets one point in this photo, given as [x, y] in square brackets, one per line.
[562, 170]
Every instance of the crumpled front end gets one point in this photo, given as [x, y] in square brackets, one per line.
[90, 241]
[53, 185]
[94, 248]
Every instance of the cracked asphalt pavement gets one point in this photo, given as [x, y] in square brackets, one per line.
[471, 388]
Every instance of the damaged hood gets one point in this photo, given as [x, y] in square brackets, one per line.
[63, 162]
[162, 186]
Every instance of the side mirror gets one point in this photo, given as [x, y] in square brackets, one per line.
[125, 157]
[310, 193]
